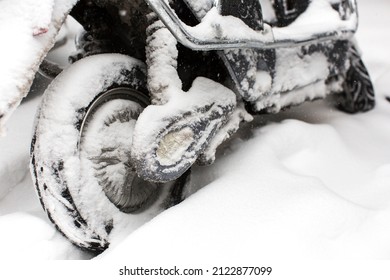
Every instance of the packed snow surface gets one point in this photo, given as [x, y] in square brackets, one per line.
[310, 182]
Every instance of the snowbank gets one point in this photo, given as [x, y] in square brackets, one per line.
[311, 182]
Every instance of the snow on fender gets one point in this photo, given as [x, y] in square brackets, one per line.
[63, 173]
[23, 50]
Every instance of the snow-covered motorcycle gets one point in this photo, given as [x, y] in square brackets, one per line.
[156, 86]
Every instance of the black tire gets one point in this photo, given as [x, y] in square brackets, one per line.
[81, 168]
[358, 92]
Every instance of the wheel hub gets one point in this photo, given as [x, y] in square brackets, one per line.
[105, 141]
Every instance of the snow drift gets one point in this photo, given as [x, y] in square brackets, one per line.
[310, 182]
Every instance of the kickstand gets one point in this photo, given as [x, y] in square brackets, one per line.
[176, 192]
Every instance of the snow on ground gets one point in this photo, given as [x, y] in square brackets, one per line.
[311, 182]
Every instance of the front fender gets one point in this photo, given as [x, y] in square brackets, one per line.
[28, 29]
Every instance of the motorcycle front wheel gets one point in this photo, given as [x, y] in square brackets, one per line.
[80, 152]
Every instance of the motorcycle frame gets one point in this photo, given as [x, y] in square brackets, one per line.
[268, 38]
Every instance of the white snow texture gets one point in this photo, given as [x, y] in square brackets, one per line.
[310, 182]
